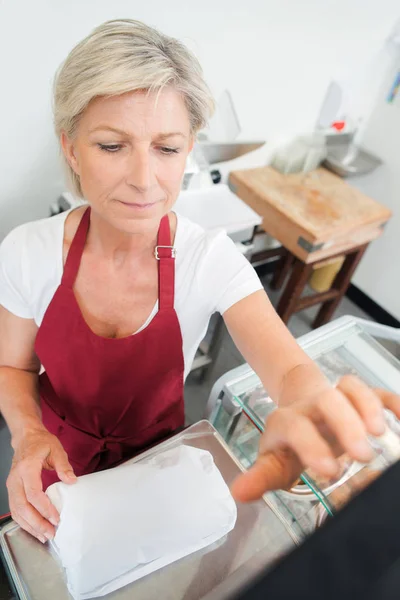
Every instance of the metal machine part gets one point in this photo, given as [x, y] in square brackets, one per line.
[345, 158]
[217, 152]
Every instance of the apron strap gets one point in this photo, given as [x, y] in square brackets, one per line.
[75, 252]
[165, 254]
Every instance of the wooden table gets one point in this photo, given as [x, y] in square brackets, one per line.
[316, 217]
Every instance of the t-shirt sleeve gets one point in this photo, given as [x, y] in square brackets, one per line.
[14, 292]
[225, 276]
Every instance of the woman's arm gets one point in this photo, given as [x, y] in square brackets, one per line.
[34, 447]
[313, 419]
[268, 346]
[19, 369]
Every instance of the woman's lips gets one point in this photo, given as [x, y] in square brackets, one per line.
[138, 206]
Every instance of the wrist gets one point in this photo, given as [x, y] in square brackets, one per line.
[301, 382]
[28, 426]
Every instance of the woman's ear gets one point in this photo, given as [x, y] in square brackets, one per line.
[69, 151]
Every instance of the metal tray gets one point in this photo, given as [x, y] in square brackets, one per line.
[37, 575]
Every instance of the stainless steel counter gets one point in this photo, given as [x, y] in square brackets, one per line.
[37, 574]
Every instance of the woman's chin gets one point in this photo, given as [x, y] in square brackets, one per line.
[136, 219]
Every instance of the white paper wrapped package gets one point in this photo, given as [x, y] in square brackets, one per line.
[119, 525]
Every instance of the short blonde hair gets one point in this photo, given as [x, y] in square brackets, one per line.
[122, 56]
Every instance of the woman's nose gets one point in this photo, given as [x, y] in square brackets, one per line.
[140, 175]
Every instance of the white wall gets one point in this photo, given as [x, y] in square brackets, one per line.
[275, 56]
[379, 272]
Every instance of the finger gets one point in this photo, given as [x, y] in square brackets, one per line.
[346, 424]
[30, 473]
[299, 433]
[365, 401]
[270, 472]
[21, 508]
[22, 523]
[389, 400]
[58, 460]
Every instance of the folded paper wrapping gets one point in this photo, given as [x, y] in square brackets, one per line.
[119, 525]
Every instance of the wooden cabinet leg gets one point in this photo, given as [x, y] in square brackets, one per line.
[281, 271]
[293, 290]
[341, 283]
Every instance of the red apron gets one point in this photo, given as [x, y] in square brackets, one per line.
[107, 399]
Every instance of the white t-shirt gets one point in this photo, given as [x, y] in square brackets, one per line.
[211, 275]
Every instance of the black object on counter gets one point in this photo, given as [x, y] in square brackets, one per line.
[356, 555]
[215, 176]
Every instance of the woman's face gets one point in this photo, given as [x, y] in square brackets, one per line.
[130, 153]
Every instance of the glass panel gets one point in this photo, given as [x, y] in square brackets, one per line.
[345, 350]
[301, 512]
[334, 365]
[350, 350]
[244, 384]
[356, 476]
[392, 346]
[222, 420]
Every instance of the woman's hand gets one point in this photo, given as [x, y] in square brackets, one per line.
[30, 507]
[312, 431]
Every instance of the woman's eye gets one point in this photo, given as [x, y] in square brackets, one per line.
[167, 150]
[110, 147]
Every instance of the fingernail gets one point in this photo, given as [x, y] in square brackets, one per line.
[54, 521]
[362, 450]
[49, 536]
[70, 474]
[42, 539]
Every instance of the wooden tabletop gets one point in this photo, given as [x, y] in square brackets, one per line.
[318, 206]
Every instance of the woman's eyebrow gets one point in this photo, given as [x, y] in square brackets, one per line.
[158, 136]
[162, 136]
[108, 128]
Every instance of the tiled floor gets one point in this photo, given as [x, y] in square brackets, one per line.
[196, 393]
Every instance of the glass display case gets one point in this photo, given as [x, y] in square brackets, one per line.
[239, 406]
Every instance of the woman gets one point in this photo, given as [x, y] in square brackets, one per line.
[74, 289]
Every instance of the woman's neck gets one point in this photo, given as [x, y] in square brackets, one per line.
[120, 246]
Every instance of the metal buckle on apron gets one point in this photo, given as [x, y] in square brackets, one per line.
[172, 248]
